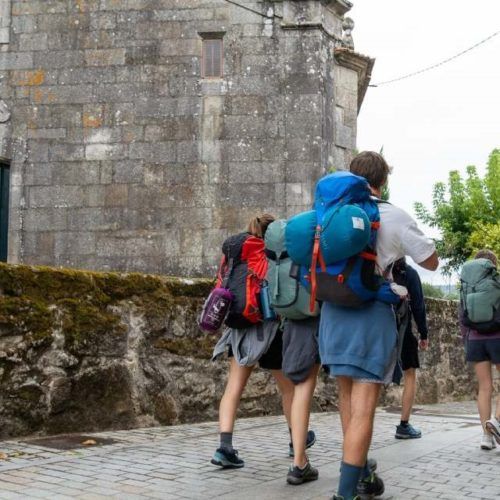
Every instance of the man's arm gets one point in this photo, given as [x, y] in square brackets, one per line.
[417, 301]
[431, 263]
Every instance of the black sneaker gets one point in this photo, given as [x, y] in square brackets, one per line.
[296, 475]
[372, 464]
[227, 459]
[370, 487]
[311, 439]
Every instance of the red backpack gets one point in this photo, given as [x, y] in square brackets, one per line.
[244, 265]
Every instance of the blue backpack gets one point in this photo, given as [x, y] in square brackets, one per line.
[337, 240]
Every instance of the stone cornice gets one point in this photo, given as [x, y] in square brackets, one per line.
[340, 6]
[360, 63]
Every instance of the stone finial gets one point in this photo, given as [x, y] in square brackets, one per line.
[348, 26]
[4, 112]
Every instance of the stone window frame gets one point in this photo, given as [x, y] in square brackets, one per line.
[208, 40]
[5, 10]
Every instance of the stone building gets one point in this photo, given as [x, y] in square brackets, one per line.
[137, 134]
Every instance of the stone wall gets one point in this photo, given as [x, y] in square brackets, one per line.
[83, 351]
[124, 158]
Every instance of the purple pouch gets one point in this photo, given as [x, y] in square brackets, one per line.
[215, 310]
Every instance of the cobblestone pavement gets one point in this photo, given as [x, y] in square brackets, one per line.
[173, 462]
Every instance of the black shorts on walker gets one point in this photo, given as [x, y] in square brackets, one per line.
[409, 352]
[273, 358]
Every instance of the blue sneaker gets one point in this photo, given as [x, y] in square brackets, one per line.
[407, 432]
[311, 439]
[227, 459]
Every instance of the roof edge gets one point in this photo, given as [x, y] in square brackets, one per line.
[363, 65]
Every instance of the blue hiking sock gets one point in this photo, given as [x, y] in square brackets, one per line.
[349, 477]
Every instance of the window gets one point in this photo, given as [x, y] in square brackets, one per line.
[4, 208]
[5, 9]
[212, 63]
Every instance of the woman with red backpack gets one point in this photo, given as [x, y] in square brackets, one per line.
[253, 335]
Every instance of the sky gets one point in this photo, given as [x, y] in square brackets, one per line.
[441, 120]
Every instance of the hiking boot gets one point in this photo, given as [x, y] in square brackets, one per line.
[407, 432]
[296, 475]
[227, 459]
[370, 487]
[487, 442]
[493, 426]
[372, 464]
[311, 439]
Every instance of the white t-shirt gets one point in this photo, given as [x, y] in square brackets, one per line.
[399, 236]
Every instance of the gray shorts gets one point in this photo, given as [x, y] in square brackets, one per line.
[300, 348]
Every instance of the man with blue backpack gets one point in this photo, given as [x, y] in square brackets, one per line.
[356, 239]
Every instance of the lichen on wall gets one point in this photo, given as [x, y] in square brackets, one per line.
[86, 351]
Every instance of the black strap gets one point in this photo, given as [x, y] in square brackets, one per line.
[228, 273]
[272, 255]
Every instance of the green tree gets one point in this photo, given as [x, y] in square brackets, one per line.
[466, 212]
[432, 291]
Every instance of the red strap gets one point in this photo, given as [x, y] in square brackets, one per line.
[375, 225]
[368, 255]
[315, 256]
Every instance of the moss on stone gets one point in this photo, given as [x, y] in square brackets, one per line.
[49, 284]
[31, 294]
[83, 321]
[189, 287]
[199, 347]
[24, 315]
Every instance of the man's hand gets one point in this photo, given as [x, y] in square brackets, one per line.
[424, 344]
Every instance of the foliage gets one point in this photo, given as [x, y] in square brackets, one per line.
[485, 236]
[466, 212]
[432, 291]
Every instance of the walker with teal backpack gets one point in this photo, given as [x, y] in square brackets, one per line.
[336, 242]
[289, 297]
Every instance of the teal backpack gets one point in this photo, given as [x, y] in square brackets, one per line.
[480, 295]
[289, 298]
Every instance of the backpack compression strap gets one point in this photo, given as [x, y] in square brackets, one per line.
[317, 256]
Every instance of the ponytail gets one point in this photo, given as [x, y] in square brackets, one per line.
[258, 226]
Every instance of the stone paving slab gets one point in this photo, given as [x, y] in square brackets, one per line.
[173, 462]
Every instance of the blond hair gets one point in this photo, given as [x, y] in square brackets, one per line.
[258, 226]
[486, 254]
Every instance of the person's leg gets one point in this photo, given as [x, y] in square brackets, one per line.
[225, 456]
[493, 425]
[484, 379]
[299, 418]
[357, 435]
[345, 387]
[286, 389]
[497, 391]
[236, 382]
[357, 440]
[409, 391]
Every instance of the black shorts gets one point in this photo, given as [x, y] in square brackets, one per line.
[272, 359]
[483, 350]
[409, 352]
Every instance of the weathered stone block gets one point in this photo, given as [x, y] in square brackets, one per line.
[66, 152]
[161, 152]
[75, 173]
[105, 151]
[105, 57]
[56, 196]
